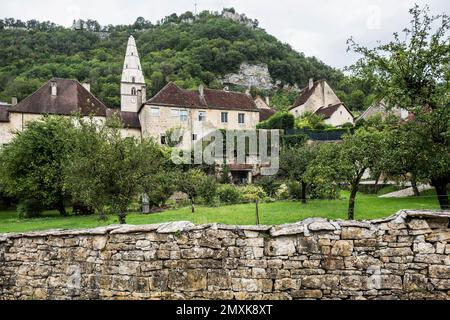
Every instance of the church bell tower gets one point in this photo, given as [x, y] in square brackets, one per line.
[132, 85]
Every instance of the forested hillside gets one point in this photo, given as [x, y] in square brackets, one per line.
[186, 49]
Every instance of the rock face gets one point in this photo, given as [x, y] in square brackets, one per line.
[251, 75]
[406, 256]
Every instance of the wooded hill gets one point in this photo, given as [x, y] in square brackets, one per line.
[186, 49]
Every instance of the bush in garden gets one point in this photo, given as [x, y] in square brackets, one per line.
[228, 194]
[29, 208]
[208, 191]
[251, 193]
[269, 184]
[282, 193]
[295, 189]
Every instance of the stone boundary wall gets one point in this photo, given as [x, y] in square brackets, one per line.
[405, 256]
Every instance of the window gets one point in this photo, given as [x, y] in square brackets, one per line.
[201, 115]
[133, 91]
[133, 79]
[224, 117]
[175, 113]
[183, 115]
[194, 137]
[241, 117]
[154, 112]
[163, 139]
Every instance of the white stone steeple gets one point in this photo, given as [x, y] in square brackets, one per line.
[132, 85]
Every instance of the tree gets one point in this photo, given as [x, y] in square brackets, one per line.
[86, 174]
[31, 166]
[281, 120]
[294, 162]
[357, 154]
[191, 182]
[411, 72]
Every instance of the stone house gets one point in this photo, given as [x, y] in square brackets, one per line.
[380, 108]
[62, 97]
[319, 98]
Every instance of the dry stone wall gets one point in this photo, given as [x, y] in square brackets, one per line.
[406, 256]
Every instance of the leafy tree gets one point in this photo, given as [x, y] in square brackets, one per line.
[310, 120]
[32, 164]
[192, 183]
[411, 72]
[294, 162]
[358, 153]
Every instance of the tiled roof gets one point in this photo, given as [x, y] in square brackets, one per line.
[327, 112]
[71, 97]
[305, 94]
[265, 114]
[172, 95]
[129, 119]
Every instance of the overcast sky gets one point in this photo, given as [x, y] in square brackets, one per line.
[315, 27]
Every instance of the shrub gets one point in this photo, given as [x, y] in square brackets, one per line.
[228, 194]
[269, 184]
[348, 125]
[282, 193]
[29, 208]
[251, 193]
[208, 191]
[295, 189]
[280, 120]
[294, 139]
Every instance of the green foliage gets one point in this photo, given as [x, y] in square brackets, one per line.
[178, 48]
[225, 174]
[228, 194]
[29, 208]
[32, 164]
[411, 72]
[270, 185]
[194, 183]
[294, 189]
[251, 193]
[293, 140]
[208, 191]
[310, 120]
[281, 120]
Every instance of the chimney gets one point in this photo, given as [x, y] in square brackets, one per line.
[13, 101]
[268, 101]
[247, 92]
[201, 90]
[311, 83]
[54, 88]
[87, 86]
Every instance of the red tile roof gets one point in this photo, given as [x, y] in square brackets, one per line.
[265, 114]
[71, 97]
[327, 112]
[129, 119]
[172, 95]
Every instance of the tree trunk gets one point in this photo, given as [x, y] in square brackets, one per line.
[414, 186]
[61, 207]
[122, 217]
[353, 191]
[441, 190]
[192, 205]
[351, 202]
[304, 192]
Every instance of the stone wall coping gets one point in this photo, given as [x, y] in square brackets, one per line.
[305, 226]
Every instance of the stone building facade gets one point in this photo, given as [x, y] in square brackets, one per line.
[319, 98]
[406, 256]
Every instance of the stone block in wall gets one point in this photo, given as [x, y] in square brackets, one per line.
[342, 248]
[281, 246]
[414, 282]
[325, 281]
[439, 271]
[188, 280]
[356, 233]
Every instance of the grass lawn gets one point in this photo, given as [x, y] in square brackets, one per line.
[367, 207]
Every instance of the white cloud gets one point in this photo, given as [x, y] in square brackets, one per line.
[319, 27]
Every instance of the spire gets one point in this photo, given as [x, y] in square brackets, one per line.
[132, 70]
